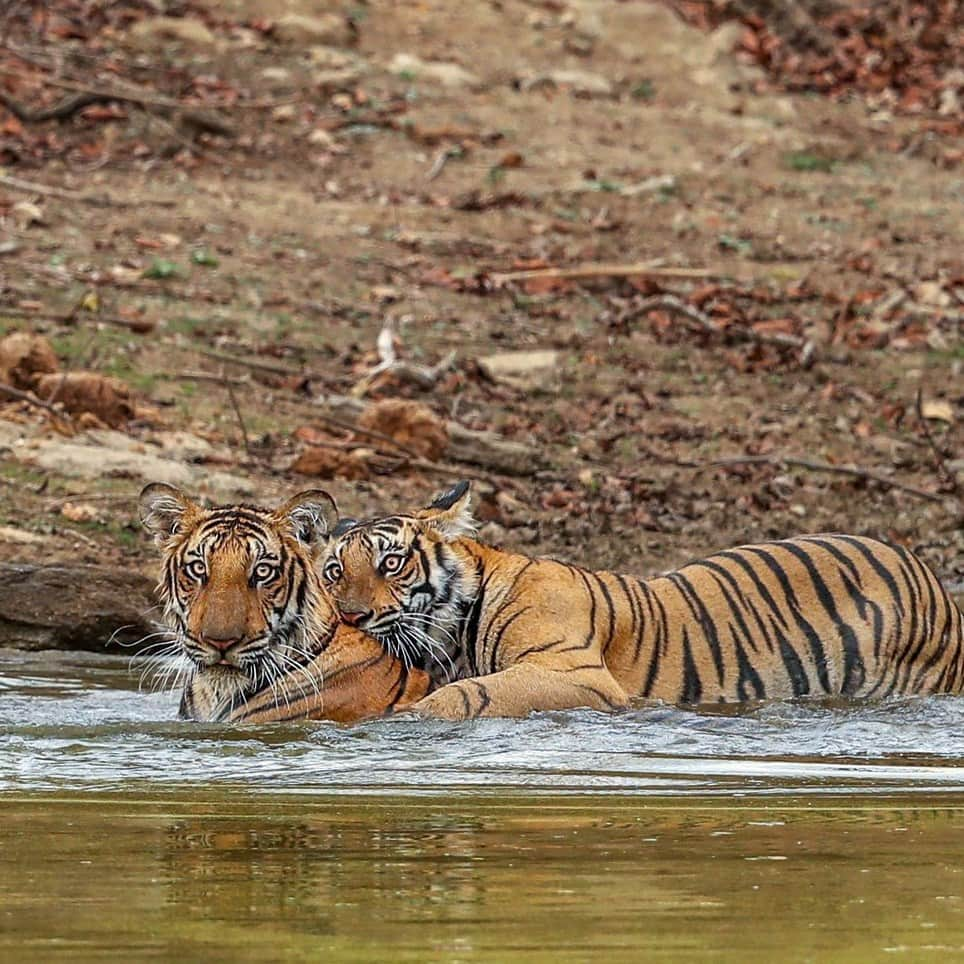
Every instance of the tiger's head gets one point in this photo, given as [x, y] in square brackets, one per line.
[401, 578]
[239, 586]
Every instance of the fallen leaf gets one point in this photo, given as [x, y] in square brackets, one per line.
[411, 424]
[78, 511]
[106, 398]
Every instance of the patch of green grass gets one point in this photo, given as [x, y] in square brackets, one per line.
[870, 203]
[644, 90]
[728, 243]
[805, 161]
[495, 175]
[204, 257]
[186, 325]
[954, 353]
[160, 269]
[16, 472]
[604, 184]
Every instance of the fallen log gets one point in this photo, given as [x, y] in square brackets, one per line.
[73, 607]
[484, 449]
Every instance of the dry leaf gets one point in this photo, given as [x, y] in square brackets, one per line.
[78, 511]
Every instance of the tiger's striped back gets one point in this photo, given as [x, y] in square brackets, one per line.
[813, 616]
[816, 615]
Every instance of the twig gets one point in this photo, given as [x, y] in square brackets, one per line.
[670, 303]
[641, 268]
[32, 399]
[202, 377]
[237, 411]
[139, 325]
[263, 366]
[85, 96]
[441, 159]
[346, 426]
[943, 473]
[812, 466]
[100, 200]
[422, 375]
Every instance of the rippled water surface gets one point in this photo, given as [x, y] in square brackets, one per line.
[795, 830]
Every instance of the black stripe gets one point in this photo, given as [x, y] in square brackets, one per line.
[854, 671]
[692, 689]
[813, 640]
[698, 608]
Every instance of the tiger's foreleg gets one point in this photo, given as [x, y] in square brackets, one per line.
[522, 689]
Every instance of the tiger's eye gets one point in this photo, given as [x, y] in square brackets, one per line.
[393, 563]
[332, 571]
[264, 572]
[196, 570]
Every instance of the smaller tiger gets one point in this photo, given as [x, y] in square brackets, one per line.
[812, 616]
[259, 635]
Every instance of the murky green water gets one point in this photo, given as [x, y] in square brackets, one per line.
[787, 832]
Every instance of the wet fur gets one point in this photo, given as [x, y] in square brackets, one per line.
[814, 616]
[288, 657]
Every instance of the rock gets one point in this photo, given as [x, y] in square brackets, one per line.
[937, 409]
[20, 537]
[334, 58]
[157, 31]
[97, 454]
[447, 74]
[411, 424]
[73, 607]
[300, 30]
[522, 369]
[24, 357]
[108, 399]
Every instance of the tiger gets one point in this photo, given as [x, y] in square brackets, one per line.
[246, 615]
[503, 634]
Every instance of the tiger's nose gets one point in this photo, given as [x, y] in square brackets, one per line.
[221, 645]
[355, 617]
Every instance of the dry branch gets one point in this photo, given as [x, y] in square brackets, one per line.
[139, 325]
[810, 465]
[32, 399]
[806, 348]
[198, 118]
[485, 449]
[424, 376]
[640, 269]
[100, 200]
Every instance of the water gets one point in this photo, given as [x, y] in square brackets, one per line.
[797, 831]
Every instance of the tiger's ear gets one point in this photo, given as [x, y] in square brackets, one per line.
[450, 512]
[164, 509]
[311, 514]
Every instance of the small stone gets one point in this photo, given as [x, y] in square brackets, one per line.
[522, 369]
[284, 113]
[276, 75]
[156, 31]
[299, 30]
[447, 74]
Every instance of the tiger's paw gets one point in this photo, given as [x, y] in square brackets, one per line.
[448, 703]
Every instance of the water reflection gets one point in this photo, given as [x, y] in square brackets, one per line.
[544, 879]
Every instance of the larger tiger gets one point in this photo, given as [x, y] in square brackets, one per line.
[259, 636]
[814, 616]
